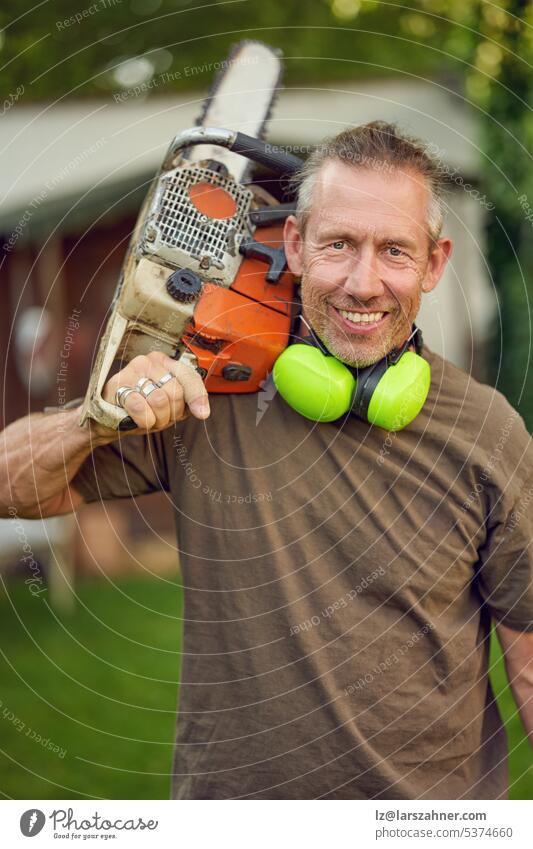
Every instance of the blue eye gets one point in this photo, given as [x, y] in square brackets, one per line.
[397, 251]
[338, 246]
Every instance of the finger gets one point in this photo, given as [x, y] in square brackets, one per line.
[110, 388]
[159, 403]
[172, 391]
[140, 411]
[128, 376]
[158, 399]
[194, 392]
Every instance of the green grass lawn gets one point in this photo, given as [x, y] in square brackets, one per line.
[101, 686]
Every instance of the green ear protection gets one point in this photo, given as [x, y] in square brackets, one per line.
[389, 393]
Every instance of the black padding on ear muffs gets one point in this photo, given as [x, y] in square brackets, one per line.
[367, 380]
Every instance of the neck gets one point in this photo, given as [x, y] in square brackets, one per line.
[304, 331]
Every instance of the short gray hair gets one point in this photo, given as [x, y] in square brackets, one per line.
[380, 146]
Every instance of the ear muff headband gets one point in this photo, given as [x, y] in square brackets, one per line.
[389, 394]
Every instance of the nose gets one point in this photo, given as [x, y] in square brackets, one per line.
[363, 280]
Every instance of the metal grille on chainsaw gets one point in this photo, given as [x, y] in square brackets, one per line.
[180, 226]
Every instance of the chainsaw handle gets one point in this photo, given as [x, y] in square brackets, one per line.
[266, 154]
[255, 149]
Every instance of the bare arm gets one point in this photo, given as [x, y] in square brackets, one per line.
[518, 652]
[40, 454]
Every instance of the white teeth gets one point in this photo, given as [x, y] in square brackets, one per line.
[362, 317]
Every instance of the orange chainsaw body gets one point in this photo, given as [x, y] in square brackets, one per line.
[237, 333]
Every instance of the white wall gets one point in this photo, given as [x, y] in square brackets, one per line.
[456, 317]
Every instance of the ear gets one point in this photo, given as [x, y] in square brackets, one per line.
[293, 245]
[438, 258]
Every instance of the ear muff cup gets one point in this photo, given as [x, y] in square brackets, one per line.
[401, 393]
[318, 387]
[322, 389]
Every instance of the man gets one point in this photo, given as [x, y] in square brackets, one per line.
[340, 581]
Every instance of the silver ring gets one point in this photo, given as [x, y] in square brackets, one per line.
[149, 387]
[122, 393]
[145, 385]
[165, 379]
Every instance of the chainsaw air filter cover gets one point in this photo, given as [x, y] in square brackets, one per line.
[180, 234]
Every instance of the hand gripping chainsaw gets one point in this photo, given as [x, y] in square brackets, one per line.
[205, 276]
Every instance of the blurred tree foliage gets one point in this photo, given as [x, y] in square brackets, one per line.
[94, 48]
[321, 39]
[502, 84]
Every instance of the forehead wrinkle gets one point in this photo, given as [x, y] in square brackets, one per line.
[356, 231]
[334, 194]
[347, 217]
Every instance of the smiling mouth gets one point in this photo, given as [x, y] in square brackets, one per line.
[360, 322]
[362, 317]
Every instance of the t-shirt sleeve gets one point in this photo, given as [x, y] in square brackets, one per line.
[505, 566]
[130, 466]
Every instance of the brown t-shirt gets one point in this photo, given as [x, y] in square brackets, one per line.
[339, 584]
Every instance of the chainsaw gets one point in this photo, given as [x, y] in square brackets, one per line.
[205, 277]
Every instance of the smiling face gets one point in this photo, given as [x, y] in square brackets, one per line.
[364, 259]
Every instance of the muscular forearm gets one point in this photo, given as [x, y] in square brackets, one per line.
[523, 696]
[40, 454]
[520, 674]
[518, 651]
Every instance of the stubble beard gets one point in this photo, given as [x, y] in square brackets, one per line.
[357, 353]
